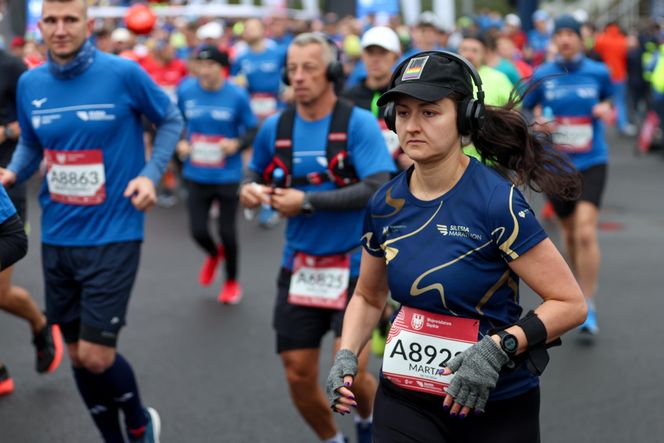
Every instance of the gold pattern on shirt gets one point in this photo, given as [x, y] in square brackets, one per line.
[506, 246]
[492, 290]
[391, 252]
[396, 203]
[415, 290]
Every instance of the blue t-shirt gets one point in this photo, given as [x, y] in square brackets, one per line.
[98, 110]
[7, 209]
[325, 232]
[451, 255]
[538, 41]
[222, 113]
[262, 69]
[572, 90]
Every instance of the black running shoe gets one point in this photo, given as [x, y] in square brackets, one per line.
[49, 347]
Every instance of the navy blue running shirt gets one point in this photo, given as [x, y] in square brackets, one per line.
[450, 255]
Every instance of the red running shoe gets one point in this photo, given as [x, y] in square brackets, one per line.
[49, 347]
[209, 269]
[6, 382]
[231, 293]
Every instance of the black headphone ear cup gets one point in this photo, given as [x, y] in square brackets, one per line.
[284, 76]
[464, 116]
[335, 71]
[389, 116]
[479, 116]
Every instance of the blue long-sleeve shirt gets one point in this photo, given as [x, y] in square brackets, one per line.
[89, 130]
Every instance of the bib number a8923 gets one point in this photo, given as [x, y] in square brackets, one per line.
[420, 343]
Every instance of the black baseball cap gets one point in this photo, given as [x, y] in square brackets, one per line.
[209, 52]
[428, 77]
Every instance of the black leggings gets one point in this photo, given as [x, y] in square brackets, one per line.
[201, 197]
[403, 416]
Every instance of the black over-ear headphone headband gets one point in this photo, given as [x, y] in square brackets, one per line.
[334, 71]
[470, 115]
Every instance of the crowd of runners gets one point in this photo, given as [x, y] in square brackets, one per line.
[395, 156]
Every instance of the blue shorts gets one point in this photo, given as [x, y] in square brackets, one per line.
[88, 289]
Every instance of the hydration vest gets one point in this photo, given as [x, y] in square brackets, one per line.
[339, 168]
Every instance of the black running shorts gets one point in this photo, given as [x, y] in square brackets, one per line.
[88, 288]
[303, 327]
[404, 416]
[592, 189]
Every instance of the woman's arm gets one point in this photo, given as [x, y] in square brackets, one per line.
[362, 315]
[546, 272]
[366, 305]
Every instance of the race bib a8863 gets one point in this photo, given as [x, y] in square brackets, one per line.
[76, 177]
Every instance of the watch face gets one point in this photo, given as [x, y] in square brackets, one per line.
[510, 343]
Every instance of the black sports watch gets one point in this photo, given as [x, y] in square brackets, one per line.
[307, 207]
[508, 343]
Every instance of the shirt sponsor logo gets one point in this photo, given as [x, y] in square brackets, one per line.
[94, 116]
[37, 103]
[458, 231]
[43, 120]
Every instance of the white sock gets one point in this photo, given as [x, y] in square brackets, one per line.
[364, 421]
[339, 438]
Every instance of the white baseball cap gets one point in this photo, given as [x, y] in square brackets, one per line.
[212, 30]
[512, 20]
[120, 35]
[381, 36]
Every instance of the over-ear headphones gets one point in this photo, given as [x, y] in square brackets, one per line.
[335, 70]
[470, 114]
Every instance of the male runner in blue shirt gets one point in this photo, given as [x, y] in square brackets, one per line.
[220, 124]
[81, 113]
[318, 163]
[576, 91]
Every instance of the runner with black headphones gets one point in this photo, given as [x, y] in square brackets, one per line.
[317, 163]
[450, 238]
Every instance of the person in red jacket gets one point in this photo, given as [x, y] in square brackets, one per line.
[611, 45]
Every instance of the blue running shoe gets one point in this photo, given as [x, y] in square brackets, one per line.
[590, 325]
[152, 428]
[364, 434]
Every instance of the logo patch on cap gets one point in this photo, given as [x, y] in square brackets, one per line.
[414, 69]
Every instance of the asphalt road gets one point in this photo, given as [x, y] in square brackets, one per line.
[212, 373]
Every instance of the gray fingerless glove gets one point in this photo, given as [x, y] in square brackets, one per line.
[345, 363]
[476, 373]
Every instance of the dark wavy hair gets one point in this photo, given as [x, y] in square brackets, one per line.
[510, 145]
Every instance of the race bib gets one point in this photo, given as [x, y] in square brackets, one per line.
[76, 177]
[573, 134]
[420, 343]
[320, 282]
[206, 152]
[263, 104]
[390, 137]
